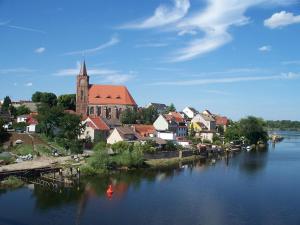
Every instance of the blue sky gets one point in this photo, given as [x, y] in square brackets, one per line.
[234, 57]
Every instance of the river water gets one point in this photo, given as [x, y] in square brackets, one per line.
[247, 188]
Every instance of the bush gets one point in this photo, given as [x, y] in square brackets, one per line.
[170, 146]
[206, 141]
[122, 146]
[11, 182]
[101, 146]
[23, 149]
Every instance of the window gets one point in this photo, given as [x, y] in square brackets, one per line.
[92, 110]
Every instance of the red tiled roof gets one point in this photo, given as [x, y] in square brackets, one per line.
[110, 94]
[222, 120]
[144, 130]
[31, 121]
[177, 117]
[97, 123]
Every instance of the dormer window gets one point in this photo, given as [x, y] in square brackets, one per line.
[108, 96]
[118, 97]
[97, 96]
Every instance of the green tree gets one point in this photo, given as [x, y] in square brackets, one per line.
[70, 126]
[22, 110]
[192, 132]
[49, 118]
[233, 132]
[170, 108]
[128, 116]
[45, 97]
[3, 134]
[6, 103]
[147, 115]
[253, 129]
[67, 101]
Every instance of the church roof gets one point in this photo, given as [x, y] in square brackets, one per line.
[110, 95]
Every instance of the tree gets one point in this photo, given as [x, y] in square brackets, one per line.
[49, 118]
[147, 115]
[128, 116]
[170, 108]
[45, 97]
[36, 97]
[3, 134]
[67, 101]
[233, 132]
[70, 126]
[22, 110]
[6, 103]
[192, 132]
[253, 129]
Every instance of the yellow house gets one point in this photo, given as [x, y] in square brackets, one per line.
[197, 126]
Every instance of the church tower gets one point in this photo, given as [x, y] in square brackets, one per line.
[82, 92]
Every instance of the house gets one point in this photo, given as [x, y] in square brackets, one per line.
[31, 124]
[107, 101]
[166, 135]
[207, 112]
[111, 123]
[172, 122]
[123, 134]
[207, 135]
[197, 126]
[160, 108]
[22, 118]
[222, 121]
[184, 142]
[205, 119]
[144, 130]
[190, 112]
[96, 129]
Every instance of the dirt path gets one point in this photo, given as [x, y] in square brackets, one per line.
[34, 164]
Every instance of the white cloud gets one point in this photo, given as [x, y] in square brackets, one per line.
[209, 27]
[283, 76]
[163, 15]
[29, 84]
[8, 25]
[40, 50]
[107, 75]
[265, 48]
[113, 41]
[281, 19]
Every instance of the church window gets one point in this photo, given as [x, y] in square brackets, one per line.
[91, 110]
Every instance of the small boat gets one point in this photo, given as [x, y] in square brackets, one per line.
[248, 148]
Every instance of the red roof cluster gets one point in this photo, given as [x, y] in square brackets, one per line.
[174, 116]
[97, 123]
[143, 130]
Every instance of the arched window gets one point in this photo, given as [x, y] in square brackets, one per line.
[92, 110]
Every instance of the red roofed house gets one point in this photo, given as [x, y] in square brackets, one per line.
[107, 101]
[96, 129]
[222, 121]
[144, 130]
[31, 124]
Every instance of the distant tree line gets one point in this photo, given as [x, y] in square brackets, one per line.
[283, 125]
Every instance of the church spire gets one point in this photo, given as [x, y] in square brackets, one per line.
[83, 71]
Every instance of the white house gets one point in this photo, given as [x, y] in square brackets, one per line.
[22, 118]
[162, 123]
[206, 119]
[122, 134]
[31, 124]
[190, 112]
[207, 135]
[165, 135]
[96, 129]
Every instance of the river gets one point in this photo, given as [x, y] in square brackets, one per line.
[250, 188]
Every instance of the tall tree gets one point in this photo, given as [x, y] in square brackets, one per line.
[253, 129]
[6, 103]
[128, 116]
[67, 101]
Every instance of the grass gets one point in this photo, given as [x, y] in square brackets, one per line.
[11, 182]
[23, 149]
[7, 160]
[162, 163]
[43, 150]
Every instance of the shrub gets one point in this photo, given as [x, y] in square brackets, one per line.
[206, 141]
[122, 146]
[101, 146]
[11, 182]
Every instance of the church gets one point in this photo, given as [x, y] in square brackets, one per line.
[106, 101]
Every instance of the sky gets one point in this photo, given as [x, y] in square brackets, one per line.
[233, 57]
